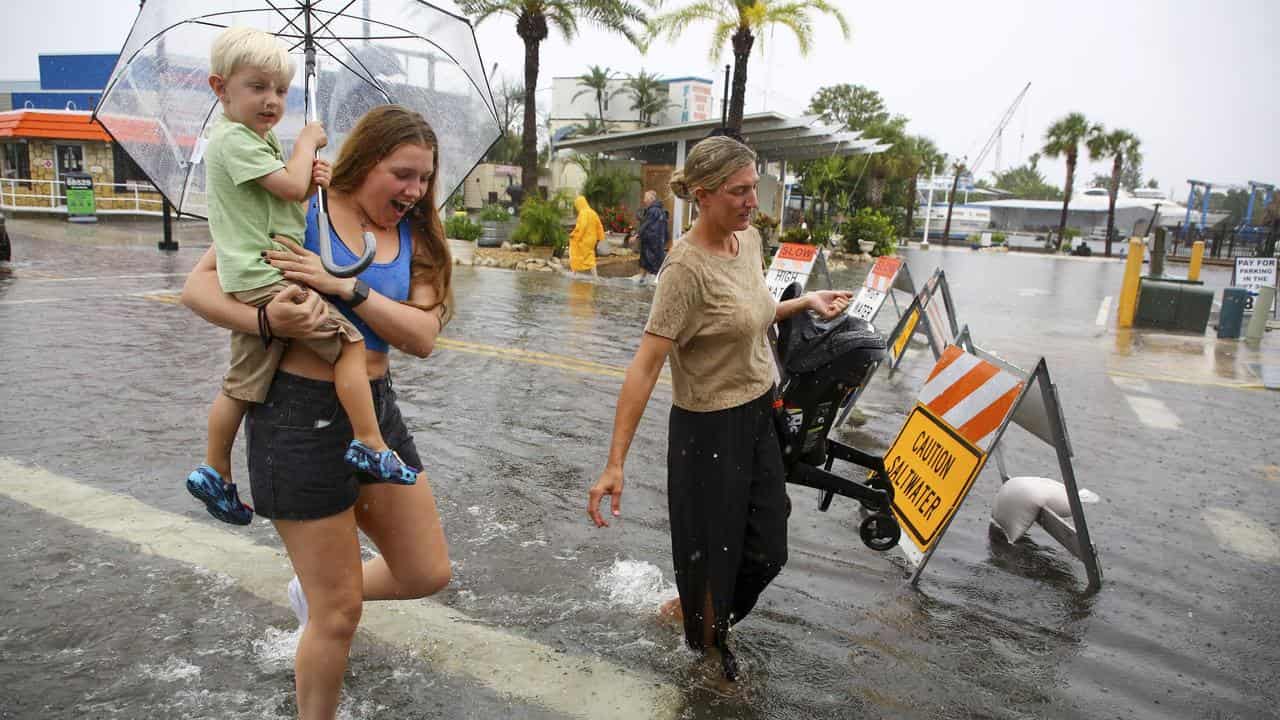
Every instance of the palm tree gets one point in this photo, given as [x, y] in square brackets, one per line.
[1064, 138]
[596, 80]
[1122, 147]
[740, 21]
[533, 18]
[593, 126]
[649, 95]
[924, 156]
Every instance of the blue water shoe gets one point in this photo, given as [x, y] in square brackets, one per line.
[219, 498]
[385, 465]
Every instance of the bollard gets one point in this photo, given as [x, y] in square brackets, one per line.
[1157, 254]
[1232, 315]
[1197, 255]
[1129, 287]
[1261, 310]
[4, 241]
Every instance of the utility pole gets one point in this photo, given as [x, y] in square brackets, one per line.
[951, 200]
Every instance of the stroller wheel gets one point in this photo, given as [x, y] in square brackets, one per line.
[880, 531]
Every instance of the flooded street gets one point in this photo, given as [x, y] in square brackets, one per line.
[121, 598]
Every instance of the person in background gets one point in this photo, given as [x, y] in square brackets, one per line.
[582, 241]
[654, 233]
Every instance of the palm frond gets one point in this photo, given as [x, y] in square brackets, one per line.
[560, 13]
[719, 37]
[676, 22]
[481, 10]
[799, 26]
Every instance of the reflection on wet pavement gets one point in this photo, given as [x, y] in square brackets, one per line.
[106, 382]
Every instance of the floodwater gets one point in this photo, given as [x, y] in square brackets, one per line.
[106, 382]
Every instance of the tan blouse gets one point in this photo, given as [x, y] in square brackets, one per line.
[716, 310]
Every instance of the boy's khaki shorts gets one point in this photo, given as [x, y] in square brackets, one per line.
[253, 363]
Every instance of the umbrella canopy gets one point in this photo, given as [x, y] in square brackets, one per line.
[159, 107]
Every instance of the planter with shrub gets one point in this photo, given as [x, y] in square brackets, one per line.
[495, 224]
[871, 226]
[541, 224]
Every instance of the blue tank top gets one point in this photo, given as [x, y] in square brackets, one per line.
[388, 279]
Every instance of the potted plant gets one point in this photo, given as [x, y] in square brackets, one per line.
[617, 226]
[495, 224]
[796, 235]
[462, 235]
[870, 231]
[541, 225]
[767, 225]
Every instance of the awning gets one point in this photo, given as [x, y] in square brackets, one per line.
[774, 137]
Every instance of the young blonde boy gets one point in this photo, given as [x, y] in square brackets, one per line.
[254, 196]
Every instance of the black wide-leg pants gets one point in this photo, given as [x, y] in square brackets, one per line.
[726, 492]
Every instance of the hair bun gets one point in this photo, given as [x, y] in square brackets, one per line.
[680, 188]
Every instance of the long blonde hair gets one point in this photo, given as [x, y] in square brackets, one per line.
[376, 135]
[709, 165]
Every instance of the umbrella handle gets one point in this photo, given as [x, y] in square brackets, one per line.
[326, 240]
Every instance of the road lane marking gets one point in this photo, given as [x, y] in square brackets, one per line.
[1153, 412]
[167, 296]
[584, 687]
[1187, 381]
[46, 278]
[1104, 309]
[1132, 384]
[1242, 534]
[529, 357]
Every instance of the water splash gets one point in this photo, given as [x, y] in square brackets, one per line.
[172, 669]
[274, 651]
[634, 584]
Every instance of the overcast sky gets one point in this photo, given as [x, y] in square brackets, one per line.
[1194, 81]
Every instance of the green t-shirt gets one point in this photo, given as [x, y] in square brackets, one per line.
[242, 213]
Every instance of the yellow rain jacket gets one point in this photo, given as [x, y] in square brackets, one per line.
[585, 235]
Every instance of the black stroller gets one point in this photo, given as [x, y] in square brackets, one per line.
[824, 365]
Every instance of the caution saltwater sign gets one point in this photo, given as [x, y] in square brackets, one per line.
[931, 468]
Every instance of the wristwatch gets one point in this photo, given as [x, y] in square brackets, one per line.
[359, 293]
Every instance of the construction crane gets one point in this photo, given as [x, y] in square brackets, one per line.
[1255, 188]
[997, 136]
[1267, 190]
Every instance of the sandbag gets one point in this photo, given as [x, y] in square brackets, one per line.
[1021, 499]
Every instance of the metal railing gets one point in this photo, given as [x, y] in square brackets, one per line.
[49, 196]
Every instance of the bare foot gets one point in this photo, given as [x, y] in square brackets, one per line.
[671, 610]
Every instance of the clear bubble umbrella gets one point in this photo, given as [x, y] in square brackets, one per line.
[355, 55]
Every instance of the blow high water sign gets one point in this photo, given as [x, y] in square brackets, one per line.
[793, 262]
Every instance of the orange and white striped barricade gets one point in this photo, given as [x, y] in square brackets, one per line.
[794, 262]
[960, 417]
[888, 274]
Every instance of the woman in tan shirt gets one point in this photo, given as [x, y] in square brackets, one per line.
[725, 481]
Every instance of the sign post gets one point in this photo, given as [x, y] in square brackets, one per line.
[1252, 273]
[81, 207]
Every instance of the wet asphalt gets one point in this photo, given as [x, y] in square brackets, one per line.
[106, 381]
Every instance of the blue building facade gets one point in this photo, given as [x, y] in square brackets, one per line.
[68, 81]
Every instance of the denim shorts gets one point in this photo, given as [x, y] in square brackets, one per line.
[296, 440]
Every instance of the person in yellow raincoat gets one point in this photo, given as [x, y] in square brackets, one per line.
[582, 241]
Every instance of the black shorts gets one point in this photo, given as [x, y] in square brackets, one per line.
[296, 440]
